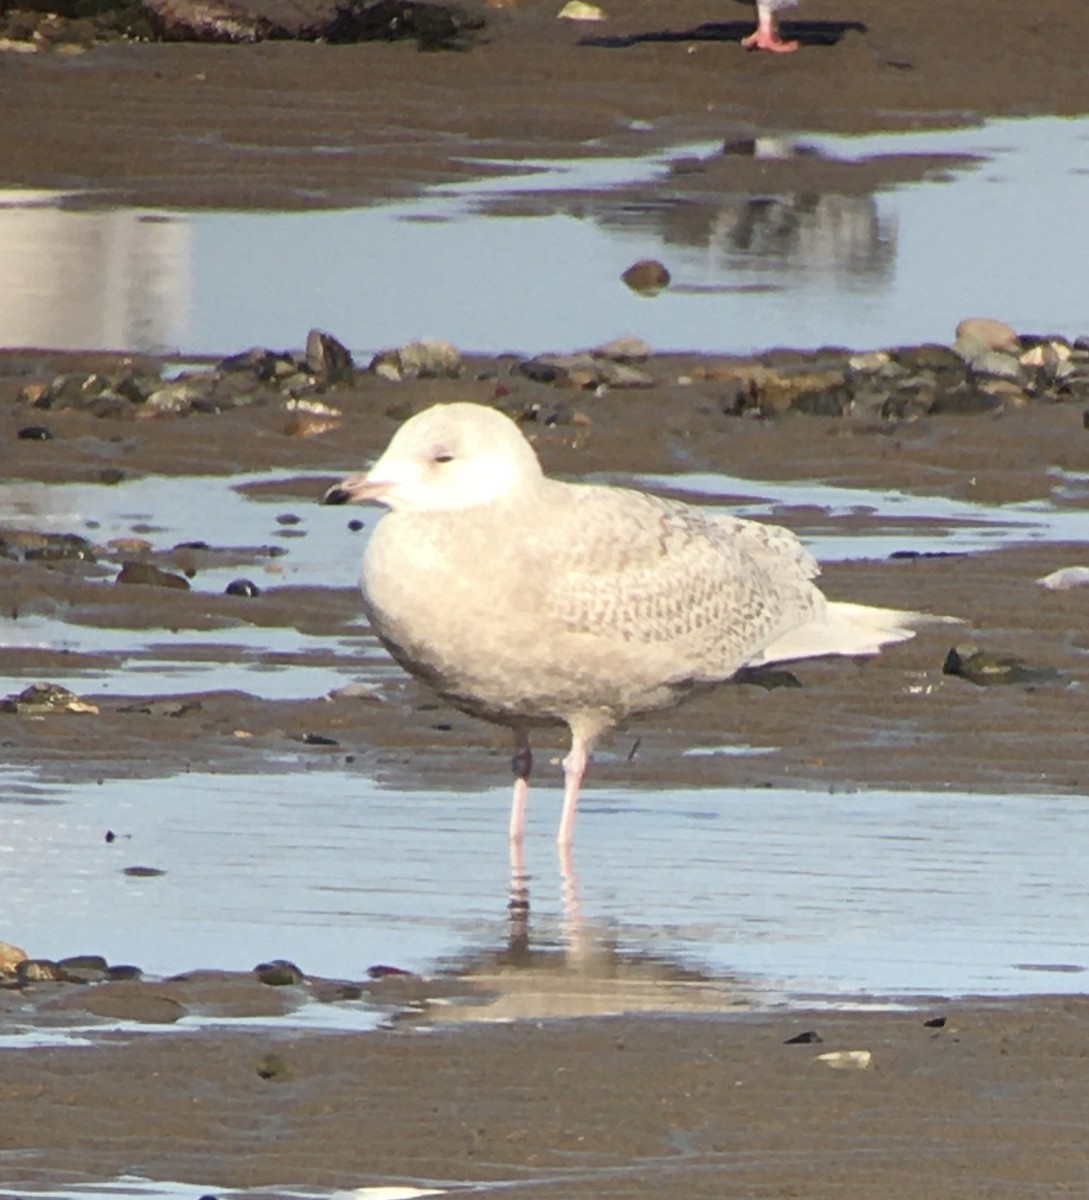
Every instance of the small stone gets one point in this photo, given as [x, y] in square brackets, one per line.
[846, 1060]
[274, 1067]
[426, 359]
[279, 973]
[989, 670]
[579, 10]
[129, 545]
[355, 525]
[996, 364]
[242, 587]
[145, 573]
[807, 1038]
[934, 1023]
[647, 277]
[139, 872]
[34, 433]
[317, 739]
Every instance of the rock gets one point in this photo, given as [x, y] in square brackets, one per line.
[988, 670]
[39, 970]
[242, 587]
[146, 573]
[84, 968]
[34, 433]
[579, 10]
[582, 371]
[327, 359]
[1065, 578]
[846, 1060]
[426, 359]
[140, 872]
[927, 357]
[125, 546]
[180, 396]
[45, 547]
[41, 699]
[975, 334]
[161, 708]
[647, 277]
[624, 349]
[434, 26]
[996, 364]
[279, 973]
[274, 1067]
[10, 958]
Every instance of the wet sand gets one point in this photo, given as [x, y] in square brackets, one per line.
[285, 125]
[991, 1104]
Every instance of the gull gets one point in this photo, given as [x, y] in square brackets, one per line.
[528, 601]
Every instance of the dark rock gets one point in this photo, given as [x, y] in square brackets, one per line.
[989, 670]
[355, 524]
[34, 433]
[928, 357]
[327, 359]
[279, 973]
[647, 277]
[84, 962]
[317, 739]
[123, 973]
[808, 1037]
[242, 587]
[145, 573]
[139, 872]
[433, 26]
[239, 20]
[934, 1023]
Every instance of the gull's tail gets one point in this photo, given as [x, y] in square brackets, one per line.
[844, 628]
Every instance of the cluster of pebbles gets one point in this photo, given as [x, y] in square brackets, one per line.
[989, 367]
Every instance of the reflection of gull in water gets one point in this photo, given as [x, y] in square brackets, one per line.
[581, 970]
[530, 602]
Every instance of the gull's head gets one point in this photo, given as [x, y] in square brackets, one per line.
[449, 457]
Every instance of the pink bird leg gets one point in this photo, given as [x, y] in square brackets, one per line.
[766, 36]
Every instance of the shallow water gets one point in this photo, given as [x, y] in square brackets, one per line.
[836, 522]
[770, 892]
[1004, 238]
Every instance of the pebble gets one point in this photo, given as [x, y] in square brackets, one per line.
[34, 433]
[989, 670]
[280, 972]
[579, 10]
[242, 587]
[146, 573]
[647, 277]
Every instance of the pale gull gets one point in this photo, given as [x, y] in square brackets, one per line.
[530, 602]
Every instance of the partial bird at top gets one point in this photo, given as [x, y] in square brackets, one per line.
[766, 36]
[531, 602]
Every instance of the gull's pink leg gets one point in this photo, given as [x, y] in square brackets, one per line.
[574, 768]
[522, 764]
[767, 36]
